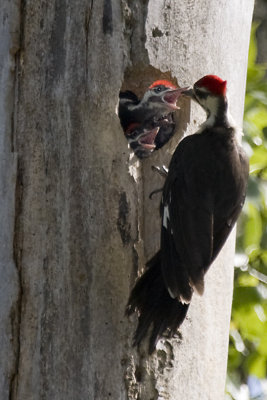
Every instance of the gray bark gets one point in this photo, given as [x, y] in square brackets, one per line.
[77, 224]
[260, 16]
[9, 282]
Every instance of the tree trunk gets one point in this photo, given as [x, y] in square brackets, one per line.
[260, 16]
[77, 224]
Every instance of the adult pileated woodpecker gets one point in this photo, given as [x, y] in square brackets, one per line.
[148, 123]
[202, 197]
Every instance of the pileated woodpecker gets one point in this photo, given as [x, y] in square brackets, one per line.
[202, 198]
[148, 123]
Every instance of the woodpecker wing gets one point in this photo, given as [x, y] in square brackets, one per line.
[228, 211]
[195, 221]
[186, 237]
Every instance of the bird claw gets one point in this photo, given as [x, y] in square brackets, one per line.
[163, 170]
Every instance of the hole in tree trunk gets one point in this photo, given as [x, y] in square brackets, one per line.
[147, 114]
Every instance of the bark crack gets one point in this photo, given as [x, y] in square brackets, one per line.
[16, 311]
[88, 15]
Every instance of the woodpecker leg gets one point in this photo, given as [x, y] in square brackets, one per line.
[162, 171]
[155, 192]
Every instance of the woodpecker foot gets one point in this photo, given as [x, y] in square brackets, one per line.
[162, 171]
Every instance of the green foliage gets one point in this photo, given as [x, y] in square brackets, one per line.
[248, 333]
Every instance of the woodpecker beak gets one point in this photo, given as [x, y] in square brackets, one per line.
[172, 96]
[189, 93]
[148, 138]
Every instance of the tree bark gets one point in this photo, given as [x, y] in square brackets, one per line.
[260, 16]
[77, 224]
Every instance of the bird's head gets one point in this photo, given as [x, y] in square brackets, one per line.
[162, 95]
[142, 139]
[209, 92]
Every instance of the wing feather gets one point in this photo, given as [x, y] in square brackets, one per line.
[198, 222]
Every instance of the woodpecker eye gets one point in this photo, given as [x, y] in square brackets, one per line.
[158, 89]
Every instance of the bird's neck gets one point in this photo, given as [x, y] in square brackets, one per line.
[217, 114]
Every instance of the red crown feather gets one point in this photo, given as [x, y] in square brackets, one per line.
[163, 82]
[213, 83]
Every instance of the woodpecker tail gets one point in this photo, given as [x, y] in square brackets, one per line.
[155, 306]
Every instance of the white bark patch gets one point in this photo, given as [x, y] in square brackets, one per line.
[134, 167]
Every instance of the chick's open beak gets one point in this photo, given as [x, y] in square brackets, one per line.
[172, 96]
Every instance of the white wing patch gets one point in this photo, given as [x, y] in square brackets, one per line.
[166, 216]
[171, 294]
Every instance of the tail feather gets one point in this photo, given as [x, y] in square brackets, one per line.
[155, 306]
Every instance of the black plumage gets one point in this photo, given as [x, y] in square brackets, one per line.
[202, 198]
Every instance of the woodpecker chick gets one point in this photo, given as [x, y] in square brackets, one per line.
[140, 118]
[202, 198]
[141, 139]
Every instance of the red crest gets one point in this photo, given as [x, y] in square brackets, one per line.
[163, 82]
[213, 83]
